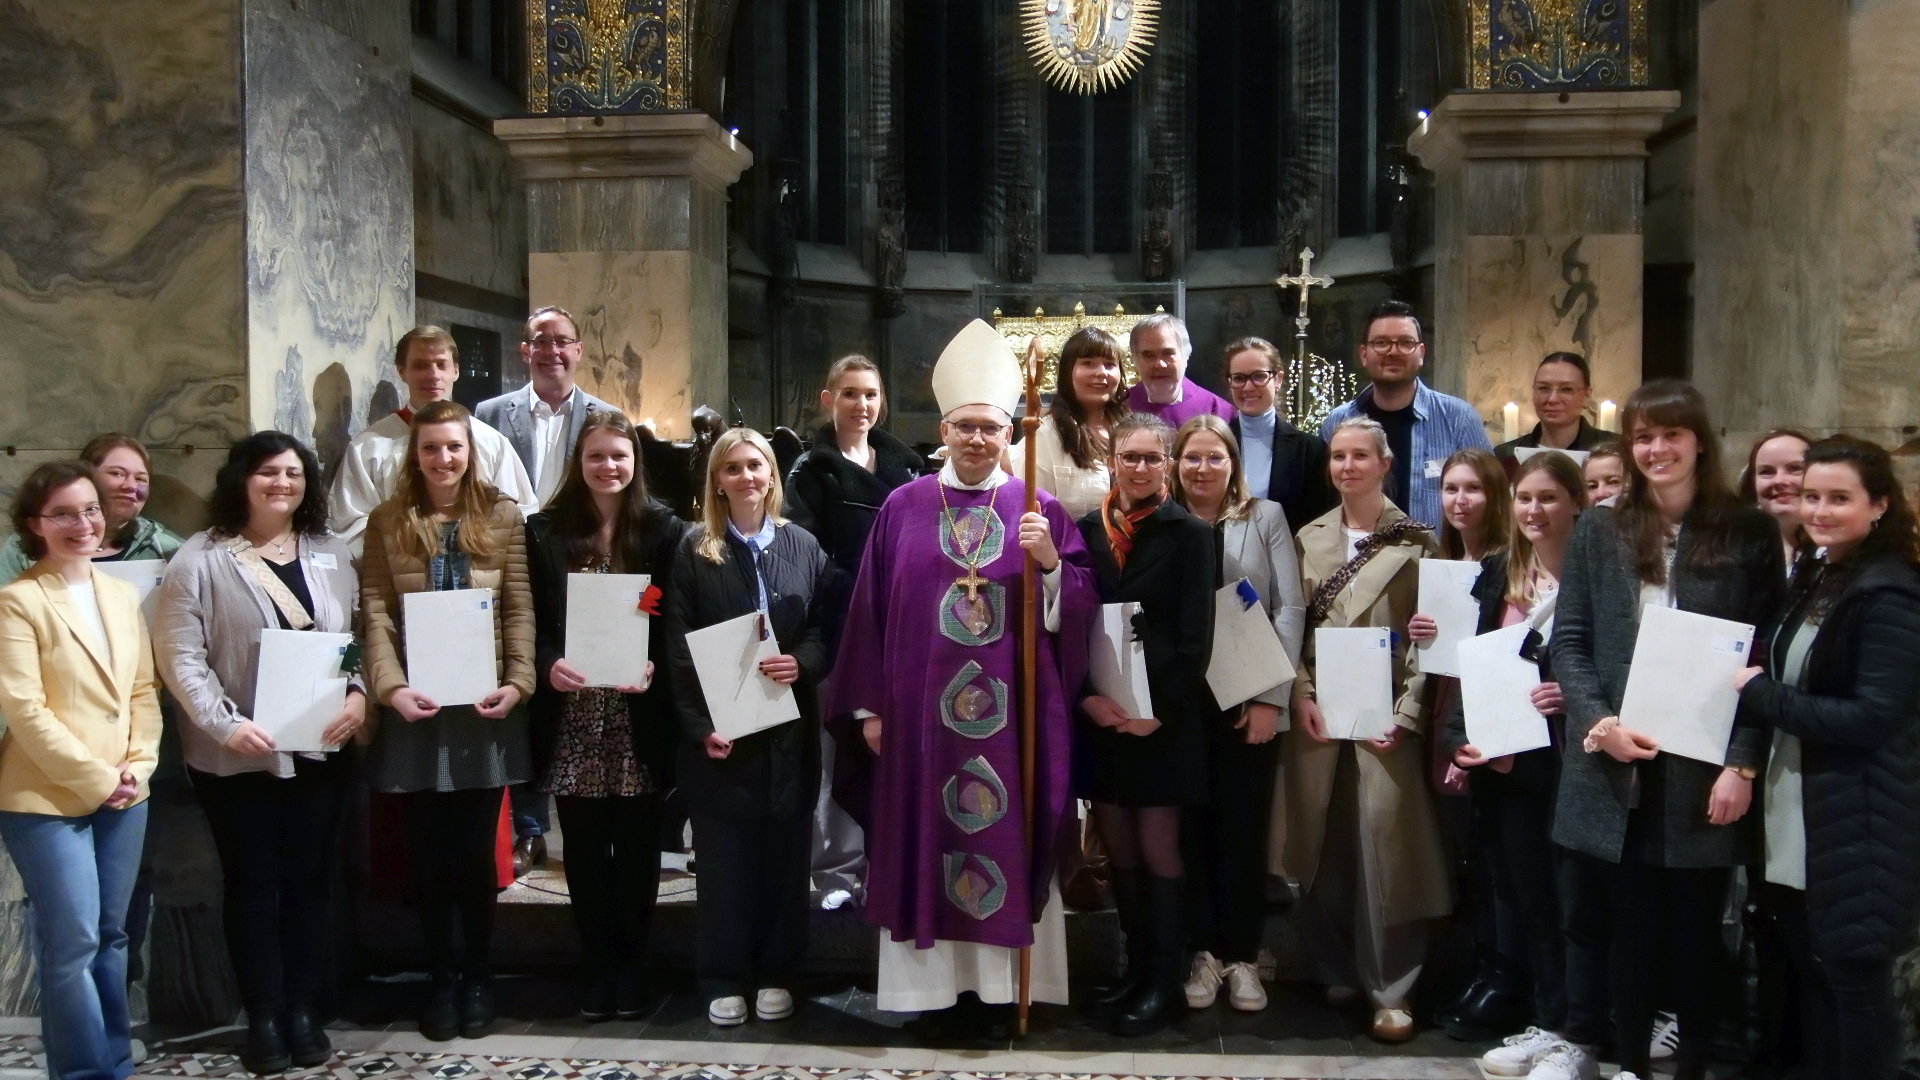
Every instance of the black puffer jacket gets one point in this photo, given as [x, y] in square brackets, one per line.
[836, 501]
[1858, 720]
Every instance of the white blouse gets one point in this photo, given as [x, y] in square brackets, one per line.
[1079, 490]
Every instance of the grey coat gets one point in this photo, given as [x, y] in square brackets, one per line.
[510, 415]
[1259, 547]
[1595, 625]
[208, 614]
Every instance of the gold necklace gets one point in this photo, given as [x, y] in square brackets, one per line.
[979, 618]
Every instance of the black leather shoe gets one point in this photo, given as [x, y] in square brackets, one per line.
[1129, 905]
[1500, 1006]
[596, 999]
[440, 1020]
[528, 852]
[629, 1001]
[266, 1049]
[306, 1038]
[1150, 1008]
[1160, 995]
[476, 1006]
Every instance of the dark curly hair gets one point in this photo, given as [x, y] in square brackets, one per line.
[227, 509]
[1896, 535]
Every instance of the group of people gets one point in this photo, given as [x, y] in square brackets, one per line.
[893, 590]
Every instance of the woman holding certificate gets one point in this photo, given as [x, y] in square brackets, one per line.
[444, 531]
[83, 727]
[1660, 832]
[605, 753]
[1149, 551]
[1842, 806]
[265, 563]
[751, 798]
[1362, 835]
[1229, 837]
[1513, 794]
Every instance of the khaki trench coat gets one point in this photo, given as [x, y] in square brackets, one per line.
[1403, 857]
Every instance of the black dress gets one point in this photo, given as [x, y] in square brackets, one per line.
[1170, 575]
[836, 501]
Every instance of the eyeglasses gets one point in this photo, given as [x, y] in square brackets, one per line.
[68, 521]
[1250, 378]
[552, 344]
[1134, 460]
[1195, 461]
[970, 430]
[1384, 345]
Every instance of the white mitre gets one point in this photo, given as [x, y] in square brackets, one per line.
[978, 368]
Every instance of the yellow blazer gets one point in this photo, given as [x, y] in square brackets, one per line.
[72, 714]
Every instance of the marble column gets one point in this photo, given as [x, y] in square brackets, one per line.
[627, 229]
[1807, 233]
[1538, 238]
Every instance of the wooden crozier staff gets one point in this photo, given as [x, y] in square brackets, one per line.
[1029, 620]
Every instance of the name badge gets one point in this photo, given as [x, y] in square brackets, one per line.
[1433, 470]
[324, 561]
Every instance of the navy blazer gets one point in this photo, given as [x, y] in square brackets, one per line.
[1298, 480]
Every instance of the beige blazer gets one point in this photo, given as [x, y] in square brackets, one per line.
[73, 713]
[1401, 852]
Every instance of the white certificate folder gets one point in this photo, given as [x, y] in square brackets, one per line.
[1496, 694]
[1680, 687]
[726, 658]
[450, 645]
[299, 687]
[1248, 659]
[1446, 594]
[1117, 661]
[606, 630]
[1353, 680]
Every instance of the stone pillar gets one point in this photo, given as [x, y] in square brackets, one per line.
[1807, 229]
[1538, 238]
[627, 229]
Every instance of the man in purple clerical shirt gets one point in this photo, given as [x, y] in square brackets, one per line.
[925, 706]
[1160, 347]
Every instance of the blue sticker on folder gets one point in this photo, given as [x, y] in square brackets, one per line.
[1249, 596]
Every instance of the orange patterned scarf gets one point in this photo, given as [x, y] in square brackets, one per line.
[1120, 524]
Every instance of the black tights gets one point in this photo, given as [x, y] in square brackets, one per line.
[613, 875]
[452, 835]
[1142, 837]
[1655, 908]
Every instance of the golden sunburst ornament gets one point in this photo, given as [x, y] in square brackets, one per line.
[1089, 46]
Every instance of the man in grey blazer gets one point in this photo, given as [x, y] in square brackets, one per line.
[542, 418]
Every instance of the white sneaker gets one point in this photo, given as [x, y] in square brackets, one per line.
[1625, 1076]
[727, 1011]
[1244, 991]
[1519, 1053]
[834, 900]
[1666, 1037]
[1203, 983]
[773, 1004]
[1567, 1062]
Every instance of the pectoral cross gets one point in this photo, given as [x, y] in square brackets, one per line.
[972, 581]
[1306, 281]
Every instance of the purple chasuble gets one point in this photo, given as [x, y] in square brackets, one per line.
[1194, 400]
[946, 856]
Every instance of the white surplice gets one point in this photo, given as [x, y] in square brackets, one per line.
[371, 469]
[922, 980]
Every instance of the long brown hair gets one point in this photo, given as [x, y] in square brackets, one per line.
[855, 362]
[572, 517]
[1237, 504]
[1069, 418]
[1896, 534]
[1520, 549]
[713, 502]
[1637, 519]
[1498, 521]
[410, 508]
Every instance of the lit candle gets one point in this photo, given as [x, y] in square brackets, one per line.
[1609, 416]
[1510, 425]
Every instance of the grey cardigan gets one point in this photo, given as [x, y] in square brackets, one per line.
[1595, 625]
[1259, 547]
[208, 614]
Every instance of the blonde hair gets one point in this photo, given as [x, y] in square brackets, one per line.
[408, 509]
[1237, 504]
[712, 545]
[1373, 429]
[1565, 473]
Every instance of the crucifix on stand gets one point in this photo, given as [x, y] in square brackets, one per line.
[1299, 396]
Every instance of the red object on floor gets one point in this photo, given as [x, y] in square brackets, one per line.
[503, 846]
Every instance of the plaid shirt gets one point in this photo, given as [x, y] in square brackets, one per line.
[1442, 424]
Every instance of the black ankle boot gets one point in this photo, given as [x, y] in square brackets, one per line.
[1128, 905]
[1497, 1004]
[476, 1004]
[266, 1050]
[1159, 995]
[307, 1040]
[440, 1019]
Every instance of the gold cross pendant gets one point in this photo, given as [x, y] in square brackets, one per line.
[972, 581]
